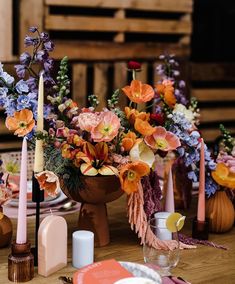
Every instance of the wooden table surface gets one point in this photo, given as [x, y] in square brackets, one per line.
[201, 265]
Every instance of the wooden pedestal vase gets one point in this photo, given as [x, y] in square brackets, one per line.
[94, 193]
[5, 230]
[220, 211]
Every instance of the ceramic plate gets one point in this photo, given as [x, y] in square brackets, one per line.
[140, 270]
[47, 202]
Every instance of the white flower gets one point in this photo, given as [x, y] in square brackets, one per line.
[141, 152]
[189, 115]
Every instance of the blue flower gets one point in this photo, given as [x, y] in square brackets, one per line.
[41, 55]
[23, 101]
[192, 176]
[49, 45]
[25, 58]
[32, 83]
[10, 106]
[28, 41]
[3, 95]
[210, 186]
[20, 70]
[33, 29]
[22, 87]
[7, 78]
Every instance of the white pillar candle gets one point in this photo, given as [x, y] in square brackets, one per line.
[83, 248]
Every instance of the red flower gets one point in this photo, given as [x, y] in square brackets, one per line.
[133, 65]
[157, 118]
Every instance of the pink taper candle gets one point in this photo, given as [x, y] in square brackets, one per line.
[201, 194]
[170, 204]
[21, 236]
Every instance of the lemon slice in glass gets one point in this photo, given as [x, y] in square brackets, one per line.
[175, 222]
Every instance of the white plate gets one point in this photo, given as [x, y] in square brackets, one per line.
[140, 270]
[50, 201]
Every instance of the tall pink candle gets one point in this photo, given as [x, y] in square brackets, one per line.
[201, 194]
[21, 236]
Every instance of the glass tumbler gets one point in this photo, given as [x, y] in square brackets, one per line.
[160, 260]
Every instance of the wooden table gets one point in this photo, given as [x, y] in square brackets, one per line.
[202, 265]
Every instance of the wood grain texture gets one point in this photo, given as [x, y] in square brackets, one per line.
[217, 114]
[81, 23]
[210, 134]
[156, 5]
[203, 265]
[6, 23]
[79, 81]
[116, 51]
[32, 18]
[101, 83]
[120, 81]
[214, 95]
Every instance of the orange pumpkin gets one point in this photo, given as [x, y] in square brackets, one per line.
[220, 211]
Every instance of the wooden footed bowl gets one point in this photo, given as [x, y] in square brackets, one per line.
[94, 193]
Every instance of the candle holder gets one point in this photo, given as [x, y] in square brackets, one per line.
[200, 229]
[20, 263]
[37, 197]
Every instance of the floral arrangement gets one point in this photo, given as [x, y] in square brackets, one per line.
[123, 142]
[9, 179]
[224, 174]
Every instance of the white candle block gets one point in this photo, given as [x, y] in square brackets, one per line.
[52, 245]
[161, 231]
[83, 248]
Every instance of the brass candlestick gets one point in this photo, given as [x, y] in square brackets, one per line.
[20, 263]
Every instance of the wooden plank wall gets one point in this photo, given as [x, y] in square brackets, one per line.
[214, 87]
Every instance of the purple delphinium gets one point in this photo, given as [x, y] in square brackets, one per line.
[25, 58]
[22, 87]
[33, 29]
[30, 41]
[20, 70]
[49, 45]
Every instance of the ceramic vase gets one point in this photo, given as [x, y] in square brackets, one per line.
[94, 193]
[5, 229]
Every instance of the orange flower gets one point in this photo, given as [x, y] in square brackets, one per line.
[130, 175]
[21, 122]
[128, 141]
[143, 127]
[138, 92]
[223, 176]
[49, 182]
[166, 89]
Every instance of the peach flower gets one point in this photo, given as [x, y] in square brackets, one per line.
[87, 120]
[162, 140]
[107, 128]
[49, 182]
[138, 92]
[21, 122]
[143, 127]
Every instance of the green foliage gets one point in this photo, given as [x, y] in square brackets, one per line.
[63, 83]
[93, 101]
[227, 139]
[114, 99]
